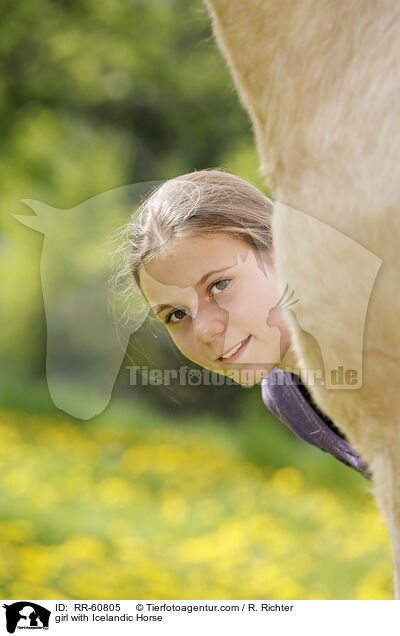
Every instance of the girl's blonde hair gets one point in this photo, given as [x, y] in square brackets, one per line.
[200, 202]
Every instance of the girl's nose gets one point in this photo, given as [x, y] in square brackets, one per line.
[210, 322]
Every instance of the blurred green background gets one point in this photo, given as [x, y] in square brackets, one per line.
[173, 491]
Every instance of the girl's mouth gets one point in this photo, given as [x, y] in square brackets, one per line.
[235, 352]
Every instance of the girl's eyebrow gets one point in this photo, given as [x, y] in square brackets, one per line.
[202, 280]
[159, 308]
[214, 271]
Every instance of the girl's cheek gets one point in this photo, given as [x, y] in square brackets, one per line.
[231, 306]
[184, 342]
[231, 297]
[183, 349]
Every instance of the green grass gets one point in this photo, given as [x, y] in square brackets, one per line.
[133, 504]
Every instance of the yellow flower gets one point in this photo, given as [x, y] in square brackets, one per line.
[114, 491]
[287, 481]
[174, 510]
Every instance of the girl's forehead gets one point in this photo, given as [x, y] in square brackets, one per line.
[185, 260]
[214, 241]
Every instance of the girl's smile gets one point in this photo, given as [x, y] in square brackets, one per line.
[234, 353]
[214, 293]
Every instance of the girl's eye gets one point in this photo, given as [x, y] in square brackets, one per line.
[176, 316]
[220, 285]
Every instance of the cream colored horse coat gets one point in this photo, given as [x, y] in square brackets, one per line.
[320, 81]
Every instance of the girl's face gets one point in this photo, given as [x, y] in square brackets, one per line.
[214, 293]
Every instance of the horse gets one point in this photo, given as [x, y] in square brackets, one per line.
[319, 81]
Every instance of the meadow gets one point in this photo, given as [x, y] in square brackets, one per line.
[134, 504]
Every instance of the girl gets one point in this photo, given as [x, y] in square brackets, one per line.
[200, 250]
